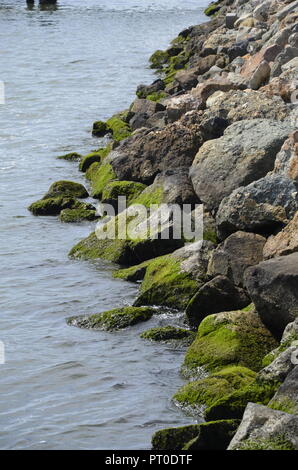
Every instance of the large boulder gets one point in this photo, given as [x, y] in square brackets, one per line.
[148, 152]
[55, 205]
[265, 429]
[263, 206]
[239, 251]
[217, 295]
[285, 242]
[66, 189]
[272, 286]
[245, 153]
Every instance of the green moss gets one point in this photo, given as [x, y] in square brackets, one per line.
[119, 128]
[212, 9]
[72, 157]
[101, 177]
[214, 435]
[165, 284]
[100, 129]
[270, 357]
[66, 189]
[134, 273]
[211, 236]
[174, 438]
[209, 390]
[92, 248]
[280, 442]
[87, 160]
[151, 195]
[53, 206]
[158, 59]
[233, 405]
[157, 96]
[77, 215]
[167, 333]
[237, 338]
[115, 319]
[129, 189]
[285, 404]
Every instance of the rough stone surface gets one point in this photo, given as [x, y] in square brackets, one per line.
[285, 242]
[286, 397]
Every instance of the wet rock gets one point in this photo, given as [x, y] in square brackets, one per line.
[115, 319]
[272, 286]
[217, 295]
[72, 157]
[169, 334]
[265, 429]
[66, 189]
[100, 129]
[53, 206]
[285, 242]
[239, 251]
[77, 215]
[245, 153]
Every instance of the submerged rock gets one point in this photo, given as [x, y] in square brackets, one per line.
[169, 334]
[115, 319]
[72, 157]
[77, 215]
[53, 206]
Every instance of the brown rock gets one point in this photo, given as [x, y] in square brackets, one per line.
[285, 242]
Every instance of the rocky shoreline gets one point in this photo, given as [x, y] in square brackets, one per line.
[217, 128]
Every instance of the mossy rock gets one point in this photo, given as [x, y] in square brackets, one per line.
[157, 96]
[207, 391]
[101, 175]
[100, 129]
[232, 406]
[158, 59]
[285, 404]
[213, 8]
[166, 284]
[280, 442]
[53, 206]
[214, 435]
[132, 274]
[129, 189]
[77, 215]
[71, 157]
[229, 338]
[66, 189]
[149, 196]
[119, 128]
[169, 334]
[88, 159]
[205, 436]
[115, 319]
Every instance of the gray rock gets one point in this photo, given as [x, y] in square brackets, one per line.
[279, 368]
[239, 251]
[285, 56]
[290, 333]
[286, 10]
[245, 153]
[260, 75]
[262, 207]
[286, 397]
[272, 286]
[265, 429]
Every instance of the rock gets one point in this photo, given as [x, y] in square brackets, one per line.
[260, 13]
[72, 157]
[283, 57]
[293, 41]
[286, 162]
[124, 239]
[198, 394]
[286, 397]
[215, 296]
[272, 286]
[206, 89]
[97, 156]
[115, 319]
[147, 153]
[262, 207]
[143, 106]
[178, 105]
[204, 436]
[267, 54]
[286, 10]
[265, 429]
[53, 206]
[229, 338]
[100, 175]
[169, 187]
[290, 333]
[260, 75]
[245, 153]
[285, 242]
[239, 251]
[77, 215]
[118, 127]
[115, 189]
[100, 129]
[187, 79]
[169, 334]
[283, 86]
[144, 90]
[66, 189]
[279, 368]
[230, 20]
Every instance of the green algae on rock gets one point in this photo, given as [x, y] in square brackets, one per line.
[101, 175]
[229, 338]
[129, 189]
[65, 189]
[275, 443]
[53, 206]
[118, 127]
[207, 391]
[115, 319]
[213, 8]
[100, 129]
[205, 436]
[77, 215]
[88, 159]
[168, 334]
[72, 157]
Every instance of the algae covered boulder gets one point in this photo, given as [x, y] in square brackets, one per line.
[198, 394]
[65, 189]
[115, 319]
[174, 438]
[100, 175]
[77, 215]
[53, 206]
[71, 157]
[169, 334]
[229, 338]
[100, 129]
[112, 191]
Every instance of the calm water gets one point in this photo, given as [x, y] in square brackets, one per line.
[61, 387]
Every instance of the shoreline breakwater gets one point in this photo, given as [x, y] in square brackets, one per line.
[216, 129]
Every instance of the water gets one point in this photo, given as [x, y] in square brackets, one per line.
[62, 387]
